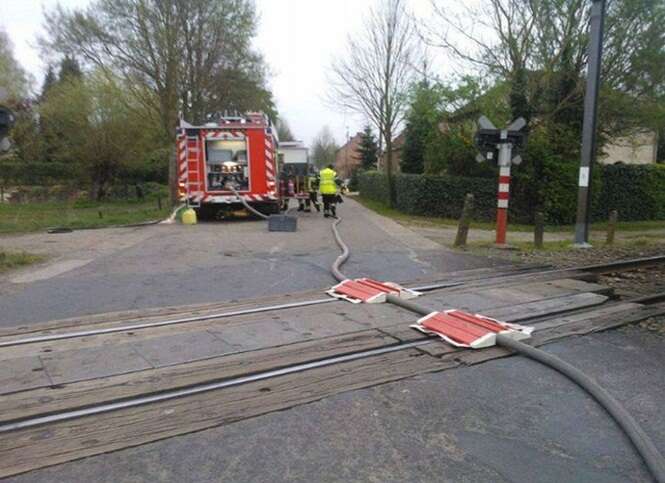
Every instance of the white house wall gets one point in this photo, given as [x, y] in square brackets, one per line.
[639, 148]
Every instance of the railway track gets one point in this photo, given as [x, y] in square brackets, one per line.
[108, 406]
[156, 396]
[214, 385]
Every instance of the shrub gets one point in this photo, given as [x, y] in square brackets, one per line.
[432, 195]
[374, 186]
[637, 192]
[444, 195]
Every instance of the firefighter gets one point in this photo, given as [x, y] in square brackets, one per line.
[328, 187]
[312, 185]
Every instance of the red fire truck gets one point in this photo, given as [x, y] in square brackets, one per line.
[237, 151]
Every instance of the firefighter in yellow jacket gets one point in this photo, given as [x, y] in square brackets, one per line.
[328, 188]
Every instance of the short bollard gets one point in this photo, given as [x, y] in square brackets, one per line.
[539, 230]
[464, 221]
[612, 226]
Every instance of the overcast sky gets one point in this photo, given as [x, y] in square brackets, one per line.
[297, 37]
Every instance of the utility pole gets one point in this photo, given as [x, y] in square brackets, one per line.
[589, 126]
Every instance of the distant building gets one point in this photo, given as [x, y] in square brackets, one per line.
[293, 156]
[638, 147]
[397, 147]
[347, 158]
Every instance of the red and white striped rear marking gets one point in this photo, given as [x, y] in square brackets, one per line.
[182, 156]
[270, 163]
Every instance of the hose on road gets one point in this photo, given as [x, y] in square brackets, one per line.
[644, 445]
[247, 205]
[340, 260]
[641, 441]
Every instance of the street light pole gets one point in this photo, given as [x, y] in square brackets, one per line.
[589, 127]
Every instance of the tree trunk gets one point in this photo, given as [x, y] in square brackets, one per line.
[392, 194]
[173, 178]
[94, 191]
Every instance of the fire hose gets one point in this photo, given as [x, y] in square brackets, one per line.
[631, 428]
[247, 205]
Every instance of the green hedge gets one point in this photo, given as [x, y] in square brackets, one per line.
[637, 192]
[374, 186]
[432, 195]
[444, 195]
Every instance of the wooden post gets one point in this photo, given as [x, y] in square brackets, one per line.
[159, 202]
[464, 221]
[539, 230]
[2, 193]
[612, 226]
[100, 214]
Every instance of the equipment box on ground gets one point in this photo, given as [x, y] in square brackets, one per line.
[282, 223]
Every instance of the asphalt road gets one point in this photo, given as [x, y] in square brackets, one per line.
[96, 271]
[508, 420]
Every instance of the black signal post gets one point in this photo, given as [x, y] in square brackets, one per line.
[589, 127]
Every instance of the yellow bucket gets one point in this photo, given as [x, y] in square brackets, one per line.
[189, 217]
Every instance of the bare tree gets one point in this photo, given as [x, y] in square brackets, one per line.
[376, 72]
[324, 148]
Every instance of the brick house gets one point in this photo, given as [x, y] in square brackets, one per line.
[398, 145]
[347, 158]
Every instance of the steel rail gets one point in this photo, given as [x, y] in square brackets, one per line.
[159, 323]
[156, 397]
[621, 265]
[198, 318]
[201, 388]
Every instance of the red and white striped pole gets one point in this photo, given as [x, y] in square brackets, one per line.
[503, 194]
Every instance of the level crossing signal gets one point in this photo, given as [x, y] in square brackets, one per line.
[503, 145]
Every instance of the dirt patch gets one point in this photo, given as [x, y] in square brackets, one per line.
[572, 257]
[638, 282]
[628, 284]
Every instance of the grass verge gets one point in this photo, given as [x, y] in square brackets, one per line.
[424, 221]
[29, 217]
[558, 248]
[433, 221]
[10, 260]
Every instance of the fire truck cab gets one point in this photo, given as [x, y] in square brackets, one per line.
[238, 152]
